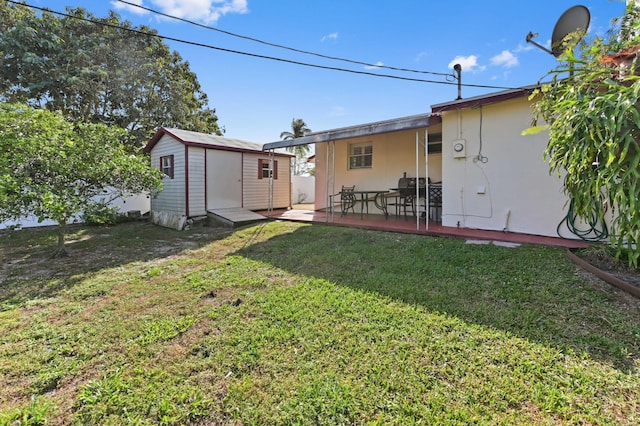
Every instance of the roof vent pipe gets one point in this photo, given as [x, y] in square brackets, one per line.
[458, 69]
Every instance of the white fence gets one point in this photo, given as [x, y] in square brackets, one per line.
[140, 202]
[303, 189]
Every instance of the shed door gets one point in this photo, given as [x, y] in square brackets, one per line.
[224, 179]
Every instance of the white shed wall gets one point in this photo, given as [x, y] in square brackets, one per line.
[255, 194]
[511, 189]
[196, 175]
[172, 197]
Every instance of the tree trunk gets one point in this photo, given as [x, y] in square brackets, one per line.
[60, 250]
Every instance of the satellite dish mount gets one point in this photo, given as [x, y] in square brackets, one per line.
[574, 19]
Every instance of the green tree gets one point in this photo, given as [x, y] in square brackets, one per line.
[592, 111]
[98, 70]
[298, 129]
[53, 169]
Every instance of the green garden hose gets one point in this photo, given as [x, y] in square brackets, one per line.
[595, 228]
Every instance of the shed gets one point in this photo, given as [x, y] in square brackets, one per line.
[204, 173]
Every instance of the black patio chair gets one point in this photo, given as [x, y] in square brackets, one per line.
[404, 197]
[435, 202]
[347, 199]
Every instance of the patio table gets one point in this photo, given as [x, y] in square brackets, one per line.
[378, 200]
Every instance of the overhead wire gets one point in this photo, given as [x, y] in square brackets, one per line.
[306, 52]
[254, 55]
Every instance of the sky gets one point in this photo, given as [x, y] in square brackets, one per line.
[257, 98]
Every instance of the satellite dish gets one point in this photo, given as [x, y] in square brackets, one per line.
[574, 19]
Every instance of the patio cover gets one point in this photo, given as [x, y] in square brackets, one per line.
[395, 125]
[387, 126]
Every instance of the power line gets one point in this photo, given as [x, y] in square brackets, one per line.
[366, 64]
[254, 55]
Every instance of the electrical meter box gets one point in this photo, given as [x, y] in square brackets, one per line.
[459, 148]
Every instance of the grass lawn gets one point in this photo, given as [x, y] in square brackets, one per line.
[285, 323]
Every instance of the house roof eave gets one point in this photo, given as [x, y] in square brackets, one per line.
[484, 99]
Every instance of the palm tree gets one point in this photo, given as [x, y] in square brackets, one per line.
[298, 129]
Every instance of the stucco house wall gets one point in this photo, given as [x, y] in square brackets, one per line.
[394, 154]
[502, 182]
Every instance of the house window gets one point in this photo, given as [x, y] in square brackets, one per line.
[360, 155]
[166, 165]
[435, 143]
[264, 172]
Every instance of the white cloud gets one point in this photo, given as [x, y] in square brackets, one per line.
[376, 67]
[132, 9]
[505, 59]
[421, 56]
[337, 111]
[523, 48]
[207, 11]
[468, 63]
[332, 36]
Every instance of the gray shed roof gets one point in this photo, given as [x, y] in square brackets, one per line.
[188, 137]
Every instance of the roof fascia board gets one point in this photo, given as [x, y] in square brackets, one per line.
[231, 148]
[483, 99]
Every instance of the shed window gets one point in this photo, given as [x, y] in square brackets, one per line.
[263, 169]
[166, 165]
[360, 155]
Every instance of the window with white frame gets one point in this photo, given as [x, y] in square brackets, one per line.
[360, 155]
[264, 171]
[166, 165]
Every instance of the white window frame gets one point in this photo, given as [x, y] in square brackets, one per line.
[167, 164]
[360, 155]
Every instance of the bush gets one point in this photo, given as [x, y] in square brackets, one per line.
[100, 213]
[592, 111]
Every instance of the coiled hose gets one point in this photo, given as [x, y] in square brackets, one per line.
[595, 228]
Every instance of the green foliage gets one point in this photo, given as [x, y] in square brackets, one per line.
[164, 329]
[53, 169]
[141, 397]
[34, 414]
[298, 129]
[100, 213]
[99, 70]
[592, 108]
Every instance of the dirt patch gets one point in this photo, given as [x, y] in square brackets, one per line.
[603, 271]
[28, 271]
[607, 263]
